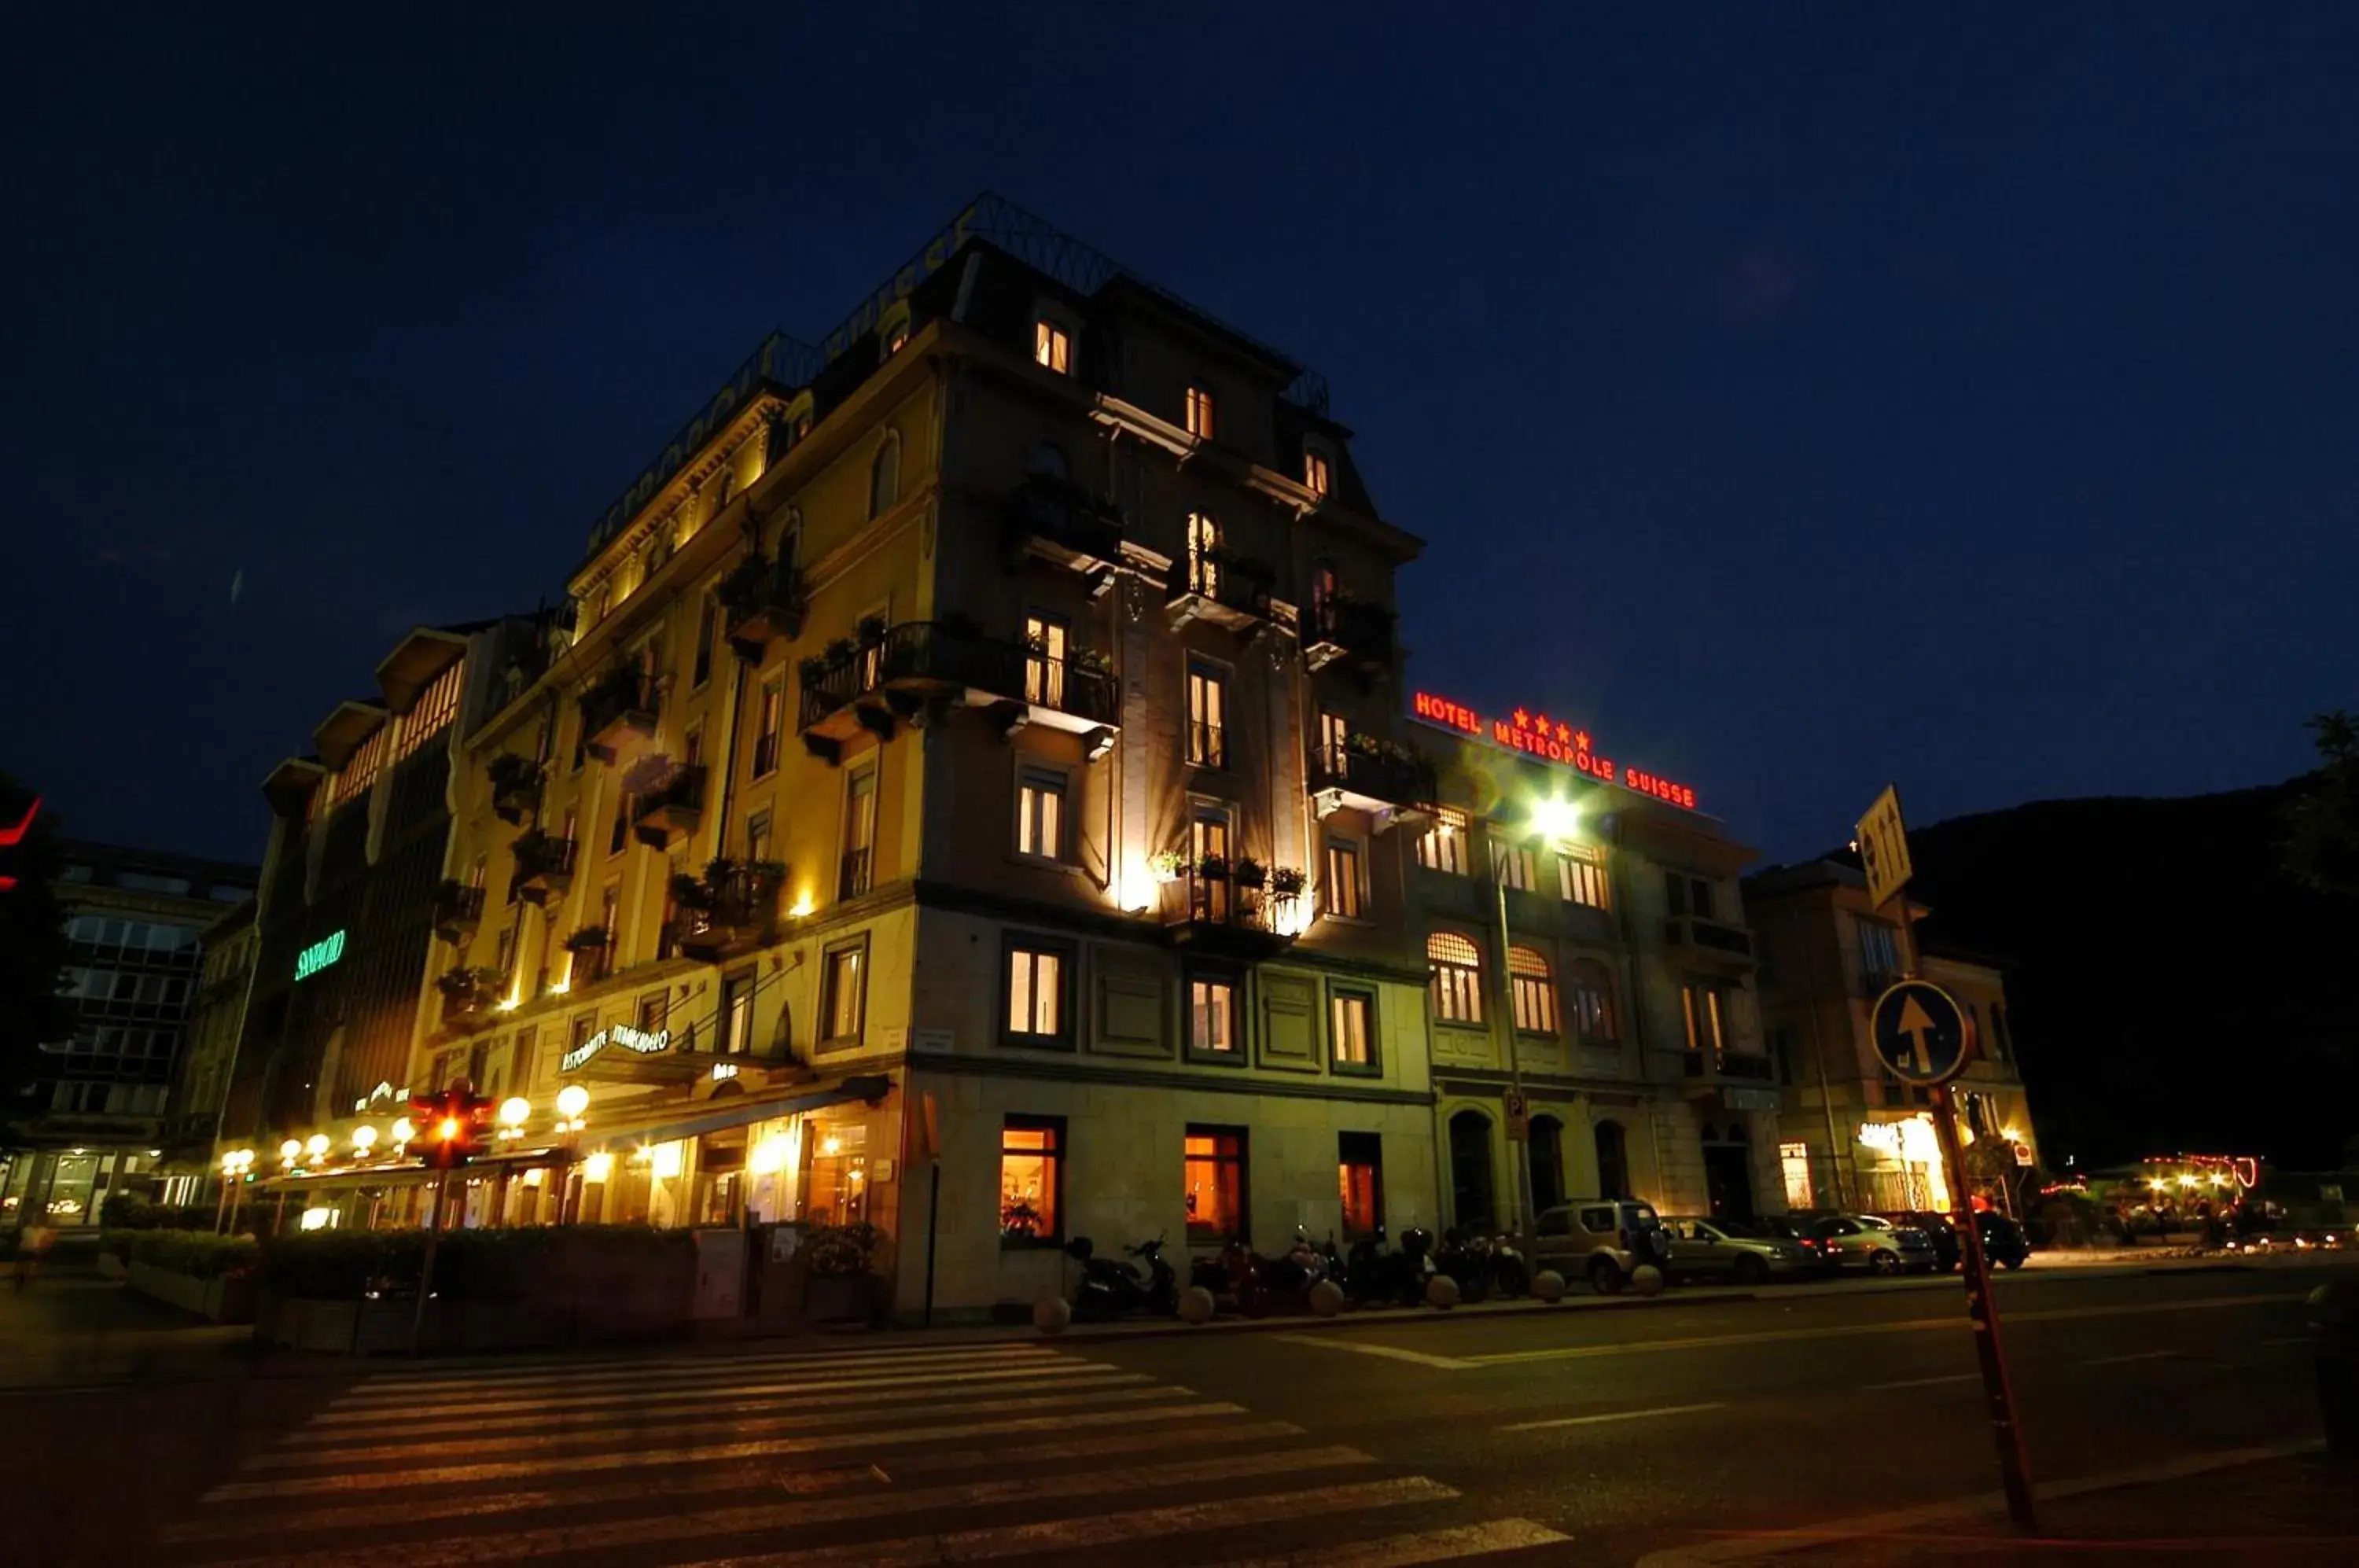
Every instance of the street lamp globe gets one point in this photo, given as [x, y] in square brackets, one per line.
[316, 1145]
[571, 1101]
[514, 1110]
[291, 1151]
[364, 1138]
[402, 1131]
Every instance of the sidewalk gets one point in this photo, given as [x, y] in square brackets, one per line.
[71, 1328]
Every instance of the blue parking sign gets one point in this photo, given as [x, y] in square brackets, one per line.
[1921, 1033]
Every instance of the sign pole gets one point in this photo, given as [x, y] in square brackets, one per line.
[426, 1265]
[1982, 1311]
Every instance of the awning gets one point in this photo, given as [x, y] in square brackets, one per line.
[414, 663]
[348, 723]
[735, 1112]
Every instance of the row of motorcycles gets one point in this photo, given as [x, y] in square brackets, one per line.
[1370, 1274]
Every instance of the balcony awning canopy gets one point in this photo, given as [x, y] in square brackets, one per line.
[289, 785]
[414, 663]
[719, 1116]
[350, 722]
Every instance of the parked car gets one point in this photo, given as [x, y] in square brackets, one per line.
[1803, 1230]
[1602, 1240]
[1734, 1250]
[1880, 1246]
[2004, 1242]
[1949, 1247]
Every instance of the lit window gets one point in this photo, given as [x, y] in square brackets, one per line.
[1352, 1019]
[1592, 1002]
[1200, 412]
[708, 611]
[843, 987]
[1040, 814]
[1036, 996]
[1360, 1183]
[436, 706]
[1700, 1009]
[736, 1015]
[1045, 638]
[1052, 346]
[1215, 1178]
[1212, 1016]
[1341, 885]
[654, 1009]
[1879, 950]
[773, 717]
[1208, 710]
[1208, 862]
[1793, 1165]
[1032, 1180]
[857, 871]
[1512, 864]
[1204, 554]
[1314, 473]
[1456, 969]
[758, 838]
[1534, 991]
[1334, 753]
[1580, 876]
[1443, 847]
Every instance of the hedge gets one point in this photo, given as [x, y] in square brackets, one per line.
[131, 1211]
[197, 1253]
[503, 1265]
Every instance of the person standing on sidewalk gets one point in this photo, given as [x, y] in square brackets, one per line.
[32, 1245]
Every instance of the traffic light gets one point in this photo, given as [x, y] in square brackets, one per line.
[455, 1126]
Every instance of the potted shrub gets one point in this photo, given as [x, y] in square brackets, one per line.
[586, 938]
[1090, 661]
[871, 628]
[1249, 872]
[1166, 864]
[842, 1283]
[1286, 881]
[690, 893]
[1213, 868]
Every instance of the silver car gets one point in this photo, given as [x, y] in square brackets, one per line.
[1733, 1249]
[1884, 1247]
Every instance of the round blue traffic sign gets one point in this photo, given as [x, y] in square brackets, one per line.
[1921, 1033]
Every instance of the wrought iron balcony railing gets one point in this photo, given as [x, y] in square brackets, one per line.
[920, 654]
[623, 703]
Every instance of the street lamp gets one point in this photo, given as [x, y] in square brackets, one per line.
[514, 1112]
[572, 1102]
[402, 1133]
[317, 1146]
[363, 1140]
[291, 1151]
[1553, 818]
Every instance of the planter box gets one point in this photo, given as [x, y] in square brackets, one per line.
[227, 1298]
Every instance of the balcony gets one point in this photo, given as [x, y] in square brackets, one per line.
[471, 998]
[1228, 590]
[730, 910]
[763, 601]
[1209, 909]
[1344, 629]
[515, 786]
[670, 797]
[1709, 942]
[543, 866]
[1062, 523]
[1390, 783]
[854, 873]
[621, 706]
[458, 909]
[592, 951]
[892, 674]
[1735, 1079]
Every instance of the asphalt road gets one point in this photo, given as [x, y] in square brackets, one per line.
[1591, 1436]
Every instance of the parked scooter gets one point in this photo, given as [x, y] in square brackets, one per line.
[1110, 1287]
[1467, 1260]
[1375, 1276]
[1257, 1285]
[1511, 1272]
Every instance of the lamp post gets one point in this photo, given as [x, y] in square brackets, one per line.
[571, 1102]
[1552, 819]
[234, 1165]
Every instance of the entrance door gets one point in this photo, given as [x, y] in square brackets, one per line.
[1728, 1175]
[1473, 1205]
[1545, 1147]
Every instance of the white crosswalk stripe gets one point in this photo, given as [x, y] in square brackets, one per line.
[926, 1454]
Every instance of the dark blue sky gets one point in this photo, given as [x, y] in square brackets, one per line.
[1799, 397]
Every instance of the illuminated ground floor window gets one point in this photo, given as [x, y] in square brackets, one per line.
[1216, 1181]
[1360, 1183]
[1794, 1162]
[1032, 1180]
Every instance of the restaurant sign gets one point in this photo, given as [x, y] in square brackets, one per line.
[1557, 741]
[318, 955]
[623, 1035]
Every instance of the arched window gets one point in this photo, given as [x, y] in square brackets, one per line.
[885, 475]
[1047, 458]
[1455, 965]
[1533, 989]
[1545, 1145]
[1204, 554]
[1593, 1001]
[1613, 1161]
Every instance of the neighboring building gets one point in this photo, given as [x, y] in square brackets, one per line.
[134, 920]
[1627, 971]
[1854, 1136]
[216, 1019]
[349, 898]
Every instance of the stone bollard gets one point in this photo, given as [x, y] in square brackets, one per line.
[1196, 1305]
[1549, 1285]
[1050, 1314]
[1442, 1291]
[1326, 1298]
[2334, 1343]
[1646, 1279]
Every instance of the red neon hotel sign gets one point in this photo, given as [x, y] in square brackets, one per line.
[1551, 740]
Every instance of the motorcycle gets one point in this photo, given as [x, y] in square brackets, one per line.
[1511, 1273]
[1110, 1287]
[1256, 1284]
[1375, 1276]
[1467, 1260]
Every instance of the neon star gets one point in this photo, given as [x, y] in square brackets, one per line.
[1581, 740]
[1543, 721]
[1523, 719]
[1564, 732]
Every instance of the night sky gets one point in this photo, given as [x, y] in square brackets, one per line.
[1799, 397]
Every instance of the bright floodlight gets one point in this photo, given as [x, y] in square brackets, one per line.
[1555, 817]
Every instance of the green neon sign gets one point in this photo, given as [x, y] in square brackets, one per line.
[318, 955]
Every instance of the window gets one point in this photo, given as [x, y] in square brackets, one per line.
[707, 615]
[1040, 814]
[1315, 474]
[1045, 638]
[1208, 842]
[1592, 1002]
[618, 837]
[772, 717]
[1203, 555]
[1699, 1006]
[1333, 756]
[1215, 1183]
[1580, 876]
[1052, 346]
[1360, 1183]
[844, 984]
[1879, 950]
[1443, 847]
[654, 1010]
[1341, 887]
[1612, 1167]
[857, 871]
[1534, 992]
[1199, 411]
[435, 707]
[735, 1035]
[1352, 1023]
[1037, 1010]
[1793, 1165]
[757, 837]
[1456, 971]
[1207, 708]
[884, 476]
[1322, 596]
[1213, 1014]
[1032, 1180]
[1512, 864]
[1686, 895]
[577, 1035]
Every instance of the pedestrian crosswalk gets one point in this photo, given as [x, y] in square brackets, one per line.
[994, 1452]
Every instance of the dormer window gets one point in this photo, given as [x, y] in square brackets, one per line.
[1316, 475]
[895, 338]
[1199, 411]
[1052, 346]
[893, 332]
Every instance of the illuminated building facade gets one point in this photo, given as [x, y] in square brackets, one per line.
[1854, 1136]
[977, 742]
[1582, 933]
[201, 1090]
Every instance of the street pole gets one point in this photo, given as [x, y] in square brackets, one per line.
[1998, 1393]
[1836, 1149]
[426, 1265]
[1518, 1149]
[933, 1229]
